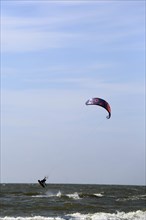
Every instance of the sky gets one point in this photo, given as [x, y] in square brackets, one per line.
[55, 55]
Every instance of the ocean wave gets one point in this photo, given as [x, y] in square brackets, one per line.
[58, 194]
[73, 196]
[132, 198]
[98, 194]
[48, 194]
[138, 215]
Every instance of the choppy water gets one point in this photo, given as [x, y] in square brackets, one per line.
[67, 201]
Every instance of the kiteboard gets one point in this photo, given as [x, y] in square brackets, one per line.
[41, 184]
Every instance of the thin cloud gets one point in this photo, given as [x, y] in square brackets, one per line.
[21, 34]
[26, 41]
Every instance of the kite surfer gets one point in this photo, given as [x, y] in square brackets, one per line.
[43, 182]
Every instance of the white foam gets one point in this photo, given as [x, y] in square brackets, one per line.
[73, 196]
[39, 196]
[49, 194]
[98, 194]
[59, 194]
[138, 215]
[31, 218]
[53, 194]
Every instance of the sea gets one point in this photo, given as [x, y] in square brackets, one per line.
[72, 202]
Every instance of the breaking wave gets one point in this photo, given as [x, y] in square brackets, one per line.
[138, 215]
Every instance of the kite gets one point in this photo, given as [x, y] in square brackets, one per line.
[100, 102]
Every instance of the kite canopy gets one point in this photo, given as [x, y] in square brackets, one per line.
[100, 102]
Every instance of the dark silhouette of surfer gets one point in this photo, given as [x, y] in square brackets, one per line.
[43, 182]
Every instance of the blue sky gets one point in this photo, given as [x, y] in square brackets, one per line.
[55, 55]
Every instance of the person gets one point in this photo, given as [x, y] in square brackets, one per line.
[43, 181]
